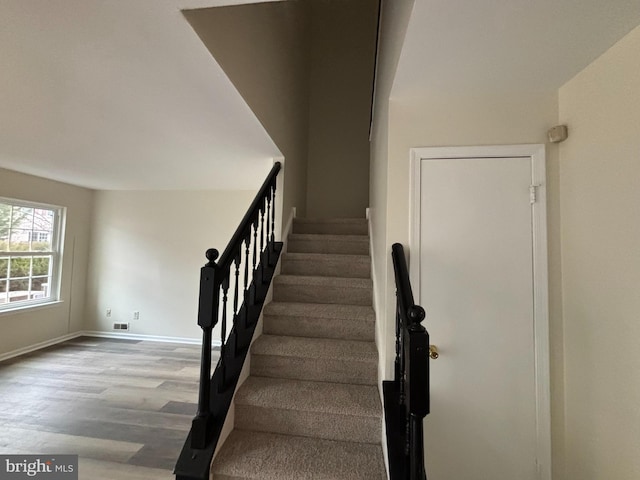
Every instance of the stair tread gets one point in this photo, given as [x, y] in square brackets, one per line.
[320, 320]
[327, 257]
[329, 243]
[318, 348]
[268, 456]
[320, 310]
[330, 220]
[329, 237]
[307, 396]
[321, 281]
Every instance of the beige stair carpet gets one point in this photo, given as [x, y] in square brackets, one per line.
[310, 408]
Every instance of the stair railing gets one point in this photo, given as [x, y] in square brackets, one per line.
[407, 396]
[232, 290]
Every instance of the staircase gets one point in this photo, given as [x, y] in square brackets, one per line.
[310, 408]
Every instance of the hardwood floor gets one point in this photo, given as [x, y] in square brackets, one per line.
[124, 406]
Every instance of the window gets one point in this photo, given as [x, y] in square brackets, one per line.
[39, 236]
[30, 254]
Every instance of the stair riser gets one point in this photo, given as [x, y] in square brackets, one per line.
[319, 327]
[328, 246]
[328, 268]
[324, 294]
[323, 425]
[331, 228]
[313, 369]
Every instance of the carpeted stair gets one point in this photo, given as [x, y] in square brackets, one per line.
[310, 408]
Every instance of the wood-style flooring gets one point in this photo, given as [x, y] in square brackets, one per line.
[124, 406]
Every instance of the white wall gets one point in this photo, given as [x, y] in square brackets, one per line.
[24, 328]
[600, 199]
[146, 255]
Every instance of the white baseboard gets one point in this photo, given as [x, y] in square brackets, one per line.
[377, 310]
[149, 338]
[288, 228]
[123, 336]
[378, 314]
[374, 280]
[39, 346]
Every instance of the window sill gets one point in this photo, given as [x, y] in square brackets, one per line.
[25, 308]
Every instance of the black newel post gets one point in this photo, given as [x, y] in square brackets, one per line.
[416, 448]
[207, 319]
[417, 365]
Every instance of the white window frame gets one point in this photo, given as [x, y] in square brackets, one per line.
[57, 242]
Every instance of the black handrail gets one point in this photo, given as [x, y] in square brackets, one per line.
[254, 248]
[407, 396]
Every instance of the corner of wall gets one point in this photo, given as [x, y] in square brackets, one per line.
[25, 328]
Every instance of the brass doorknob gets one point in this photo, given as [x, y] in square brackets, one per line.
[433, 352]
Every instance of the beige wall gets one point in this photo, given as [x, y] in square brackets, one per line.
[147, 253]
[600, 198]
[450, 119]
[395, 19]
[484, 121]
[458, 121]
[305, 69]
[594, 233]
[341, 61]
[24, 328]
[263, 50]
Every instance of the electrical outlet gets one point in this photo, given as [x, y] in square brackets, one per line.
[108, 312]
[136, 315]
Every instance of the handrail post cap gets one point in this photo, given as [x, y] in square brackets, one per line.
[416, 313]
[212, 255]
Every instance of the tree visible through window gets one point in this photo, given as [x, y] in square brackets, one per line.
[29, 253]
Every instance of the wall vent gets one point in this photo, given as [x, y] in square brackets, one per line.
[121, 326]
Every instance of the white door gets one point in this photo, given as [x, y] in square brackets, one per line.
[476, 282]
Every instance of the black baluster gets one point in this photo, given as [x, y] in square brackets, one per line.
[273, 213]
[268, 240]
[262, 227]
[235, 292]
[269, 232]
[255, 243]
[254, 294]
[223, 331]
[262, 266]
[247, 243]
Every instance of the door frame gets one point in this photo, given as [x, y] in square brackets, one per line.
[540, 276]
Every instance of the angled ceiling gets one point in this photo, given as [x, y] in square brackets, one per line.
[122, 95]
[465, 47]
